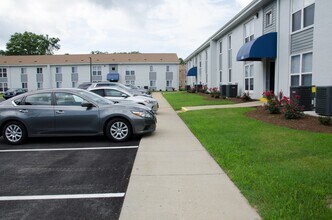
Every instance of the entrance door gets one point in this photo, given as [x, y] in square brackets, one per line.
[270, 76]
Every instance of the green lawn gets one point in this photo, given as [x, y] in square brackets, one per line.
[284, 173]
[182, 99]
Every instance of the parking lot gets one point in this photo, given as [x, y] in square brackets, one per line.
[65, 178]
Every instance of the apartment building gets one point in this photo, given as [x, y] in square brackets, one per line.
[269, 45]
[156, 71]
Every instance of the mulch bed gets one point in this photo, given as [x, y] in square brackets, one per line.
[308, 123]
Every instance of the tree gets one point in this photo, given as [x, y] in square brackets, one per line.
[182, 61]
[31, 44]
[98, 52]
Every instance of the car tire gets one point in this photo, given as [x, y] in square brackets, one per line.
[118, 130]
[14, 133]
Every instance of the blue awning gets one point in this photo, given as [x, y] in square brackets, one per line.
[192, 72]
[264, 46]
[113, 77]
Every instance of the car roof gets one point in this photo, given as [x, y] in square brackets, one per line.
[108, 87]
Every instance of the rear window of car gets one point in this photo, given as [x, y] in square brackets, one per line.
[38, 99]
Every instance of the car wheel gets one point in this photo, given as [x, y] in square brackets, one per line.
[118, 130]
[14, 133]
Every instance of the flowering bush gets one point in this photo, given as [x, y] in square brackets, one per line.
[292, 108]
[273, 102]
[246, 97]
[214, 92]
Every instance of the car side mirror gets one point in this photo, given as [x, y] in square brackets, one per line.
[124, 96]
[87, 105]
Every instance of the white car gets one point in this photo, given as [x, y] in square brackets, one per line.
[120, 95]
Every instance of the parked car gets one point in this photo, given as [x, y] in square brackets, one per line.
[13, 92]
[119, 85]
[71, 112]
[116, 94]
[84, 85]
[138, 88]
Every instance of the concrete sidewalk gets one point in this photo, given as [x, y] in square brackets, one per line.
[238, 105]
[174, 177]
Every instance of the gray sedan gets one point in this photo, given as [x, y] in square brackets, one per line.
[71, 112]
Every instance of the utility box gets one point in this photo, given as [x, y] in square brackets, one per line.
[222, 89]
[324, 100]
[305, 94]
[231, 90]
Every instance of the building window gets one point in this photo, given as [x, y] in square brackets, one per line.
[130, 73]
[24, 85]
[301, 69]
[23, 70]
[268, 18]
[151, 68]
[74, 69]
[303, 13]
[130, 82]
[220, 61]
[39, 85]
[39, 70]
[3, 87]
[169, 83]
[152, 83]
[249, 77]
[167, 68]
[3, 73]
[58, 84]
[96, 70]
[73, 84]
[113, 68]
[57, 69]
[249, 31]
[229, 58]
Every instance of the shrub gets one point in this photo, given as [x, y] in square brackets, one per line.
[292, 108]
[273, 102]
[246, 97]
[325, 120]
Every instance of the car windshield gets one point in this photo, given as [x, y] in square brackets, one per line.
[96, 98]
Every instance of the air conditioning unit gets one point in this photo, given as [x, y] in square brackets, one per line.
[324, 100]
[305, 94]
[222, 89]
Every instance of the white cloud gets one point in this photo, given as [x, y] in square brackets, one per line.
[115, 26]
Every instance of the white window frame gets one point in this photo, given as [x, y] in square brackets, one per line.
[229, 57]
[249, 31]
[58, 84]
[301, 10]
[301, 73]
[24, 85]
[220, 56]
[39, 85]
[58, 70]
[169, 83]
[23, 70]
[3, 86]
[268, 18]
[74, 69]
[96, 70]
[3, 73]
[39, 70]
[250, 76]
[152, 83]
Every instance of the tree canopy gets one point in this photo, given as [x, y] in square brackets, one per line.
[31, 44]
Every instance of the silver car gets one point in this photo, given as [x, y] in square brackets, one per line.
[118, 85]
[119, 95]
[71, 112]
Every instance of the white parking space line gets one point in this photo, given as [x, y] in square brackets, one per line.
[68, 196]
[68, 149]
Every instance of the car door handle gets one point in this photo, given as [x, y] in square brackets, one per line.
[60, 112]
[23, 110]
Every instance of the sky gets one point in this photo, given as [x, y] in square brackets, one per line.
[147, 26]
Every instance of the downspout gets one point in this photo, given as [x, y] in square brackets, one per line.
[278, 46]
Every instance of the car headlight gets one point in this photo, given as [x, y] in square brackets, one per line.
[142, 114]
[149, 101]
